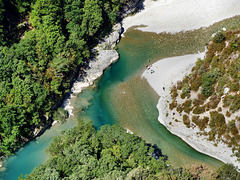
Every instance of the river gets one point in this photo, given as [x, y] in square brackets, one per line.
[122, 97]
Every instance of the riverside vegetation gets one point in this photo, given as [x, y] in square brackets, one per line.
[112, 153]
[42, 44]
[209, 97]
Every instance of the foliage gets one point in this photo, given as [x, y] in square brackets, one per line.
[42, 45]
[217, 123]
[219, 37]
[187, 106]
[208, 80]
[60, 115]
[186, 120]
[83, 153]
[228, 171]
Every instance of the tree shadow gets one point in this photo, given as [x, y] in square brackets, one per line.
[157, 153]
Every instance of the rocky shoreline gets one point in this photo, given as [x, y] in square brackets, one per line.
[106, 55]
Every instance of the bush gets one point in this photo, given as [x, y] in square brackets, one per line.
[217, 119]
[186, 120]
[228, 171]
[179, 85]
[214, 100]
[173, 105]
[186, 89]
[179, 108]
[196, 82]
[219, 37]
[60, 115]
[187, 106]
[217, 123]
[199, 110]
[208, 80]
[235, 106]
[197, 102]
[228, 114]
[227, 101]
[174, 93]
[201, 123]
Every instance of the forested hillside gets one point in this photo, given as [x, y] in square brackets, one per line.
[209, 97]
[43, 42]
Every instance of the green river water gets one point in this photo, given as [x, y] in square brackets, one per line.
[122, 97]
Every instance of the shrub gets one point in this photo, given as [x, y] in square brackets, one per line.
[183, 96]
[195, 119]
[233, 128]
[179, 85]
[217, 123]
[228, 171]
[186, 120]
[227, 100]
[228, 114]
[187, 106]
[186, 88]
[219, 37]
[235, 106]
[214, 100]
[208, 80]
[217, 119]
[179, 108]
[198, 64]
[173, 105]
[199, 101]
[204, 123]
[196, 82]
[199, 110]
[174, 93]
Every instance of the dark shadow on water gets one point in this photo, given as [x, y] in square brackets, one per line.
[157, 153]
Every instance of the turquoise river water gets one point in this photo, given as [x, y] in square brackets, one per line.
[122, 97]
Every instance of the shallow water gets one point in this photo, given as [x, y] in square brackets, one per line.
[32, 154]
[124, 98]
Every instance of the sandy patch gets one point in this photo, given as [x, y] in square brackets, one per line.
[181, 15]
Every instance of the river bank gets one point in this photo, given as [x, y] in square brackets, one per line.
[166, 73]
[106, 55]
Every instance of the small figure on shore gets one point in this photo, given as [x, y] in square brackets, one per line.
[148, 60]
[164, 88]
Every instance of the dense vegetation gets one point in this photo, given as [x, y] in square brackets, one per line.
[209, 96]
[43, 42]
[110, 153]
